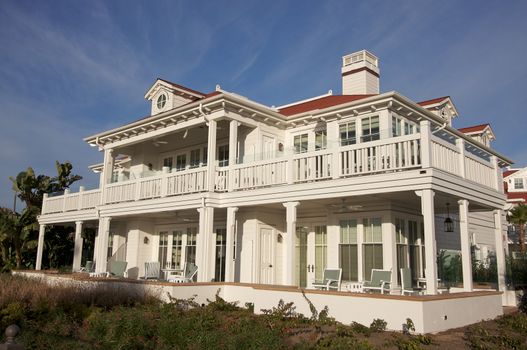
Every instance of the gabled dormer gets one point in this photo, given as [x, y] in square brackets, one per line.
[166, 95]
[442, 107]
[482, 133]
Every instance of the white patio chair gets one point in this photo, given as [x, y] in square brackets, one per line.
[190, 271]
[152, 270]
[380, 280]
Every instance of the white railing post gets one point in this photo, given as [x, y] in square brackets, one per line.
[137, 189]
[164, 182]
[498, 175]
[426, 144]
[460, 143]
[233, 152]
[44, 203]
[80, 196]
[211, 155]
[290, 172]
[64, 199]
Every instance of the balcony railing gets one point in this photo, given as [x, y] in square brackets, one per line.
[380, 156]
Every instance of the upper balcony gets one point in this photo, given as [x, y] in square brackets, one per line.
[437, 149]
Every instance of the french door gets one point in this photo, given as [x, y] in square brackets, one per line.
[311, 254]
[267, 254]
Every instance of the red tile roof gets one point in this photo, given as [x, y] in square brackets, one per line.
[474, 128]
[517, 195]
[320, 103]
[509, 172]
[432, 101]
[181, 87]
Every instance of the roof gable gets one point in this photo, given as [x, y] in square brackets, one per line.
[181, 90]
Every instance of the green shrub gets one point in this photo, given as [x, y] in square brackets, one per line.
[378, 325]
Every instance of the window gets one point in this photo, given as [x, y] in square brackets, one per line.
[223, 155]
[396, 127]
[416, 259]
[321, 243]
[300, 143]
[110, 245]
[221, 245]
[401, 239]
[163, 248]
[372, 247]
[194, 158]
[348, 134]
[192, 233]
[181, 162]
[518, 183]
[205, 155]
[321, 139]
[370, 129]
[167, 162]
[161, 101]
[177, 248]
[348, 257]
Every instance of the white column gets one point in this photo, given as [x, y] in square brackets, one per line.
[289, 258]
[426, 156]
[40, 249]
[466, 257]
[107, 171]
[233, 151]
[205, 253]
[102, 249]
[77, 252]
[229, 256]
[500, 255]
[460, 143]
[428, 212]
[211, 156]
[389, 248]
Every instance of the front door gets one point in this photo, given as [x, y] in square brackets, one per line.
[266, 256]
[311, 254]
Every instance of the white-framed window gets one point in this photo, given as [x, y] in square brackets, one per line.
[177, 246]
[223, 155]
[321, 248]
[109, 253]
[348, 133]
[372, 246]
[518, 183]
[181, 162]
[370, 129]
[321, 139]
[161, 101]
[177, 249]
[396, 126]
[190, 253]
[221, 245]
[194, 158]
[416, 250]
[348, 250]
[401, 239]
[168, 162]
[163, 249]
[300, 143]
[205, 155]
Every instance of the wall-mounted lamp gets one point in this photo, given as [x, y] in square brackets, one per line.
[146, 240]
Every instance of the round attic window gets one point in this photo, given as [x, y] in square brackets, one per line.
[161, 101]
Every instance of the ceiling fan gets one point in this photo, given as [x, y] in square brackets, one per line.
[158, 143]
[345, 207]
[181, 218]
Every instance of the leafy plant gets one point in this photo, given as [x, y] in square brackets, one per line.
[378, 325]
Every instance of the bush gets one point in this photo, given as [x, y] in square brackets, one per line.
[378, 325]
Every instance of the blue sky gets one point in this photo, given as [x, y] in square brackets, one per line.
[73, 68]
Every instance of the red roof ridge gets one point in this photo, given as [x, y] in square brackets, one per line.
[320, 103]
[432, 101]
[473, 128]
[196, 92]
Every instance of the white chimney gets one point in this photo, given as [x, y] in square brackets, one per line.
[360, 73]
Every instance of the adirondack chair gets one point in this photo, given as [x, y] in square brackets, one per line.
[116, 268]
[190, 272]
[406, 281]
[331, 280]
[90, 267]
[380, 280]
[152, 270]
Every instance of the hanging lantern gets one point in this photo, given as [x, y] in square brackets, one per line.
[449, 224]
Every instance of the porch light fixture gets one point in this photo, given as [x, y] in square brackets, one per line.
[449, 224]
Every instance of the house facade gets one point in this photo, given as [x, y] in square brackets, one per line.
[274, 195]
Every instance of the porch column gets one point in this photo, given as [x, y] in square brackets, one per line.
[233, 151]
[204, 252]
[389, 248]
[107, 171]
[500, 254]
[211, 156]
[77, 252]
[428, 212]
[289, 258]
[229, 254]
[102, 249]
[40, 249]
[466, 256]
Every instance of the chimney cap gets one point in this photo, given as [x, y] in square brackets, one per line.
[363, 58]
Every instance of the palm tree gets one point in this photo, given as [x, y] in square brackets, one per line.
[518, 216]
[18, 231]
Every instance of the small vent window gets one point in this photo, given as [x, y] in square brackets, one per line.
[161, 101]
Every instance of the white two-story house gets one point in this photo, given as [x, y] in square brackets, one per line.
[274, 195]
